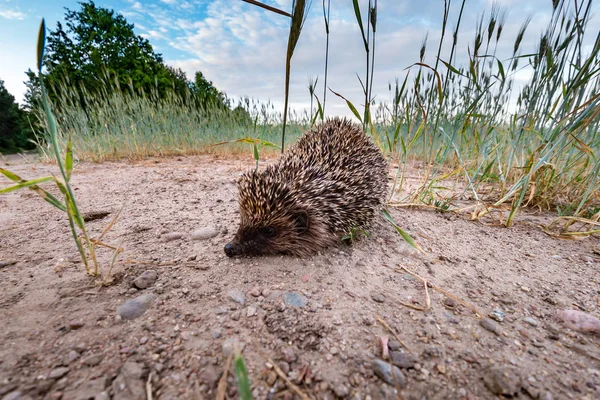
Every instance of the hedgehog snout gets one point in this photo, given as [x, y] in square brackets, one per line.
[231, 249]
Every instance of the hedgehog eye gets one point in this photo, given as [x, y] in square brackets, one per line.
[269, 231]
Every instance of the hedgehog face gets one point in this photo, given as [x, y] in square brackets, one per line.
[282, 233]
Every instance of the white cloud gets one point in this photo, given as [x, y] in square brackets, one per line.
[11, 14]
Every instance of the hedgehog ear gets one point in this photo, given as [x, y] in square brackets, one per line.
[301, 221]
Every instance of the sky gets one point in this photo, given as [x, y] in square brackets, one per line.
[241, 47]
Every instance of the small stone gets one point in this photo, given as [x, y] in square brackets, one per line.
[503, 380]
[4, 264]
[169, 237]
[394, 345]
[208, 232]
[230, 345]
[58, 373]
[285, 367]
[525, 289]
[237, 295]
[145, 280]
[144, 340]
[209, 376]
[289, 355]
[294, 299]
[216, 333]
[71, 356]
[341, 391]
[384, 371]
[251, 311]
[497, 315]
[221, 310]
[531, 321]
[93, 360]
[74, 325]
[128, 385]
[136, 307]
[235, 316]
[377, 297]
[449, 302]
[16, 395]
[255, 291]
[490, 325]
[403, 359]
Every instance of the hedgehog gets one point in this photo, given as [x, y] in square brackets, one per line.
[330, 183]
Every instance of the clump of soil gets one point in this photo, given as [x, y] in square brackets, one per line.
[316, 320]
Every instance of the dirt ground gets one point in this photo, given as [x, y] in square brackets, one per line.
[314, 321]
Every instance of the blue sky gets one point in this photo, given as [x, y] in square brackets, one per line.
[241, 47]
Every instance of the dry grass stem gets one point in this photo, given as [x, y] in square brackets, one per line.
[390, 330]
[222, 388]
[149, 387]
[280, 373]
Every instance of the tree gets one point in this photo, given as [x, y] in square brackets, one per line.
[14, 129]
[205, 93]
[98, 45]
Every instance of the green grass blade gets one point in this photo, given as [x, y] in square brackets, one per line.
[407, 238]
[25, 184]
[69, 160]
[242, 378]
[350, 105]
[40, 44]
[360, 23]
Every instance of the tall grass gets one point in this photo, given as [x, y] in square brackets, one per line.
[118, 124]
[543, 152]
[537, 145]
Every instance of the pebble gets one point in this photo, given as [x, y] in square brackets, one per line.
[341, 391]
[216, 333]
[209, 376]
[449, 302]
[394, 345]
[145, 280]
[525, 289]
[208, 232]
[497, 315]
[58, 373]
[169, 237]
[16, 395]
[74, 325]
[403, 359]
[230, 345]
[237, 295]
[377, 297]
[71, 356]
[7, 263]
[90, 389]
[251, 311]
[221, 310]
[531, 321]
[285, 367]
[93, 360]
[135, 307]
[128, 385]
[490, 325]
[384, 371]
[255, 292]
[294, 299]
[289, 355]
[235, 316]
[503, 380]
